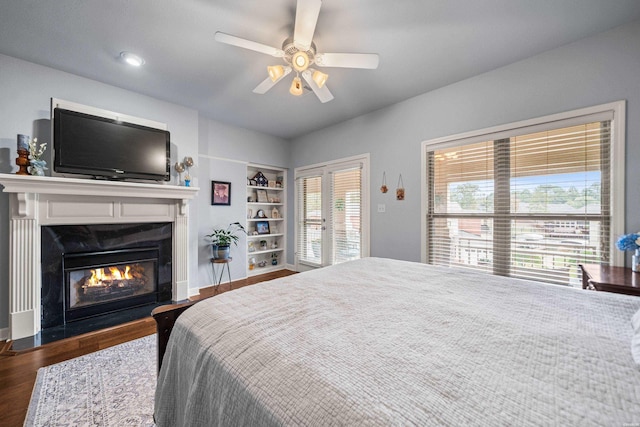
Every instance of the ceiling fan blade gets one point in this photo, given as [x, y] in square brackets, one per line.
[348, 60]
[248, 44]
[307, 12]
[323, 93]
[267, 83]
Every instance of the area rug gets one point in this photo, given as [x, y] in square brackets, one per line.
[111, 387]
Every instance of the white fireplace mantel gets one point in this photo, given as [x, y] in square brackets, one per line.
[39, 201]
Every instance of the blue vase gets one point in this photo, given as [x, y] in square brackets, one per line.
[221, 252]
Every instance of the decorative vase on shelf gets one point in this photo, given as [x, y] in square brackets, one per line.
[635, 261]
[37, 167]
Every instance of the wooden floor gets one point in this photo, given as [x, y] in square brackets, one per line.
[18, 369]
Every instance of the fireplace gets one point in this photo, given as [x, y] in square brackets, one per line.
[38, 204]
[102, 282]
[92, 270]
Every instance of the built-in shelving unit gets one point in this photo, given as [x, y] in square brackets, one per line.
[266, 222]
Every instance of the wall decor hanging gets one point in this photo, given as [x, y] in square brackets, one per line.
[400, 189]
[220, 193]
[384, 188]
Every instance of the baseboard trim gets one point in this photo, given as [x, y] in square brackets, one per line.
[4, 334]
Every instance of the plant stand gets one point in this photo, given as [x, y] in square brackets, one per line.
[217, 275]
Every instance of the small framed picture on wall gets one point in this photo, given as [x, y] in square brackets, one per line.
[221, 193]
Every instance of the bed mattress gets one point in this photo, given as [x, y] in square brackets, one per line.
[386, 342]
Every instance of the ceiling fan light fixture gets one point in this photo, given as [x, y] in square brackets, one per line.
[300, 61]
[296, 86]
[320, 78]
[275, 72]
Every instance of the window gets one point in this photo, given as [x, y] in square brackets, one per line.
[531, 200]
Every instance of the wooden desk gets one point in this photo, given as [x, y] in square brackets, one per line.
[620, 280]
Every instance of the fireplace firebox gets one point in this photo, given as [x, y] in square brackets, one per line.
[99, 269]
[102, 282]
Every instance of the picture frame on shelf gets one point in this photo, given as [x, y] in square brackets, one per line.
[272, 184]
[220, 193]
[262, 227]
[262, 196]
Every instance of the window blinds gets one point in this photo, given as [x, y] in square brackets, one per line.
[309, 219]
[346, 214]
[531, 205]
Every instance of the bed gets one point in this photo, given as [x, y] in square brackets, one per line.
[386, 342]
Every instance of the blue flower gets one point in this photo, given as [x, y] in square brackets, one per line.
[629, 242]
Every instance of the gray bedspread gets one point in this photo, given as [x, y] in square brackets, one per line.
[384, 342]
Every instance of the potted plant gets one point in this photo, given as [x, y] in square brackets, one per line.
[221, 239]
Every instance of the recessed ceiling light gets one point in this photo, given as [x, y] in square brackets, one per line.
[131, 59]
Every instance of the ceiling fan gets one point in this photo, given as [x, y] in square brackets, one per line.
[299, 54]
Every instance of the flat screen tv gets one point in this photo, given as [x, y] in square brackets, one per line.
[106, 148]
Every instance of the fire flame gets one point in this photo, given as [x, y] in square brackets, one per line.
[99, 275]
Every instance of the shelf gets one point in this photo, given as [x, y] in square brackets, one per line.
[258, 236]
[275, 201]
[257, 187]
[262, 270]
[266, 251]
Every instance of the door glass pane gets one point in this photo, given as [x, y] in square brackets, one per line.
[346, 215]
[309, 245]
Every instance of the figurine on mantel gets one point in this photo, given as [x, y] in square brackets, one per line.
[179, 167]
[188, 162]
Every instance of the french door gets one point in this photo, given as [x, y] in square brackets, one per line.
[332, 213]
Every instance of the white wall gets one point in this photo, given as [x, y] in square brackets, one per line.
[595, 70]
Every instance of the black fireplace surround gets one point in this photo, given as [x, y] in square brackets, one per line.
[65, 247]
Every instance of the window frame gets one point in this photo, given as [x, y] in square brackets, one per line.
[617, 174]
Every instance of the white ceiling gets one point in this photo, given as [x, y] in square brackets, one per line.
[423, 45]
